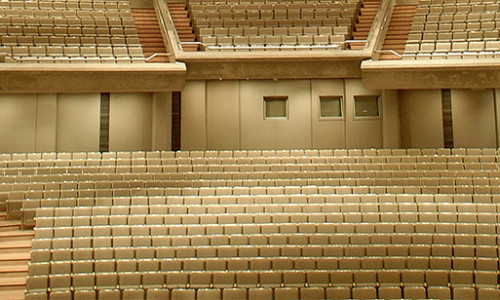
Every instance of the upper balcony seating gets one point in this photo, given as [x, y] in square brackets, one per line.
[58, 31]
[454, 30]
[288, 25]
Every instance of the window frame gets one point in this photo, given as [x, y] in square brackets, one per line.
[284, 98]
[342, 107]
[379, 108]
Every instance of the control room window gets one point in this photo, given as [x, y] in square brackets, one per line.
[366, 106]
[330, 107]
[275, 107]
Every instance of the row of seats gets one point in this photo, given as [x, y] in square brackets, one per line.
[259, 2]
[255, 25]
[458, 246]
[472, 47]
[270, 31]
[290, 6]
[255, 278]
[239, 250]
[490, 36]
[66, 5]
[486, 7]
[12, 40]
[74, 54]
[320, 163]
[280, 293]
[79, 31]
[463, 203]
[272, 234]
[250, 153]
[255, 43]
[40, 13]
[346, 17]
[122, 21]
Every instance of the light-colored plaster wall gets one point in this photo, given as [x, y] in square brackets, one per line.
[421, 117]
[361, 132]
[78, 122]
[327, 133]
[223, 114]
[130, 121]
[46, 123]
[193, 116]
[18, 123]
[473, 114]
[390, 120]
[162, 121]
[259, 133]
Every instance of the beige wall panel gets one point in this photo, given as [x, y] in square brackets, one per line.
[223, 115]
[193, 116]
[497, 114]
[327, 133]
[473, 113]
[46, 123]
[390, 119]
[130, 121]
[17, 123]
[257, 133]
[78, 122]
[421, 117]
[162, 121]
[361, 132]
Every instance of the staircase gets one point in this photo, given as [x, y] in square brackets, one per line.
[15, 247]
[366, 16]
[397, 32]
[182, 22]
[150, 34]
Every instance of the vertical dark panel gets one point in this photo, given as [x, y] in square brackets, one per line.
[104, 124]
[176, 121]
[447, 118]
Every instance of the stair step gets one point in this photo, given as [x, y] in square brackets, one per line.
[12, 281]
[7, 269]
[17, 294]
[15, 244]
[16, 233]
[15, 256]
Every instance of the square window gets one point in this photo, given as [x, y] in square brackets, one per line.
[330, 106]
[366, 106]
[275, 107]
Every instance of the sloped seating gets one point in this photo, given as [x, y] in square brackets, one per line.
[222, 27]
[35, 32]
[276, 224]
[461, 30]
